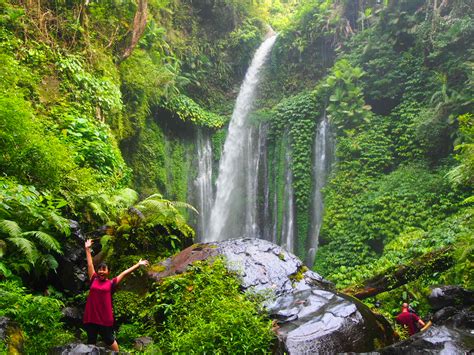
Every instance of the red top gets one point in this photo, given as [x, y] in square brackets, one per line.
[409, 319]
[99, 302]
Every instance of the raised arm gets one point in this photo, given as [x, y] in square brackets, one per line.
[131, 269]
[90, 264]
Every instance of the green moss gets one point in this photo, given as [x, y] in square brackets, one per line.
[299, 274]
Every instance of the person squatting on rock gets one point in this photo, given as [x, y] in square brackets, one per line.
[410, 320]
[98, 315]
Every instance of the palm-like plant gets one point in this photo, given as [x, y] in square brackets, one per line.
[152, 225]
[107, 207]
[156, 209]
[22, 250]
[30, 222]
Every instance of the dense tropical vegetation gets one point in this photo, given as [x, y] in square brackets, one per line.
[99, 106]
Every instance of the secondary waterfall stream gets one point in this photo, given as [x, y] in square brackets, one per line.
[203, 181]
[234, 210]
[322, 155]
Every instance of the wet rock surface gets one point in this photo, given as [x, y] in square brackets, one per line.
[78, 349]
[435, 340]
[311, 316]
[72, 316]
[450, 296]
[72, 273]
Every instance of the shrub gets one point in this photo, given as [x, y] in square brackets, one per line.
[38, 316]
[205, 312]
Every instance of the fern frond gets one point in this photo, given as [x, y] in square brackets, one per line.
[98, 210]
[50, 262]
[468, 200]
[154, 197]
[153, 206]
[125, 198]
[3, 248]
[10, 228]
[46, 240]
[60, 223]
[26, 247]
[178, 204]
[4, 270]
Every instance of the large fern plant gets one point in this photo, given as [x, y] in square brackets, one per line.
[30, 225]
[151, 227]
[26, 250]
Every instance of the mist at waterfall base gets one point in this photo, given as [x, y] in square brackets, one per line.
[241, 204]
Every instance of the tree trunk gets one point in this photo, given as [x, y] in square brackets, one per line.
[139, 24]
[438, 260]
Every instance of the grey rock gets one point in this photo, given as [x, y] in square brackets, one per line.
[454, 296]
[441, 340]
[311, 316]
[142, 343]
[3, 327]
[78, 349]
[72, 316]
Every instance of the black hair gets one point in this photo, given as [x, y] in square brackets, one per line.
[102, 266]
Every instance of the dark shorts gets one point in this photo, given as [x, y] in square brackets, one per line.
[107, 333]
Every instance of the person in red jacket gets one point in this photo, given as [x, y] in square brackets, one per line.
[98, 315]
[409, 319]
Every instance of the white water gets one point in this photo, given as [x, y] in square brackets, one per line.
[288, 223]
[203, 182]
[234, 211]
[322, 159]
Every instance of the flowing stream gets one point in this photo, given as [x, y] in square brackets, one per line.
[234, 212]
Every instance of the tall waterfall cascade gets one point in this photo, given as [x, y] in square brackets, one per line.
[234, 212]
[247, 202]
[322, 159]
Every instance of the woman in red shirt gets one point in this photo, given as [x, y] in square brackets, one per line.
[98, 316]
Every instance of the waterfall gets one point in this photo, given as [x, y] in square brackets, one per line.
[203, 182]
[234, 211]
[323, 146]
[287, 239]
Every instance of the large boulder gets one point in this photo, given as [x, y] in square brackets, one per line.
[311, 316]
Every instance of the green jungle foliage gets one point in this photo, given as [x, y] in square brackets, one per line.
[39, 317]
[204, 311]
[95, 102]
[395, 80]
[31, 228]
[150, 228]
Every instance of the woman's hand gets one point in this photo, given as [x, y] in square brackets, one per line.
[142, 262]
[88, 243]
